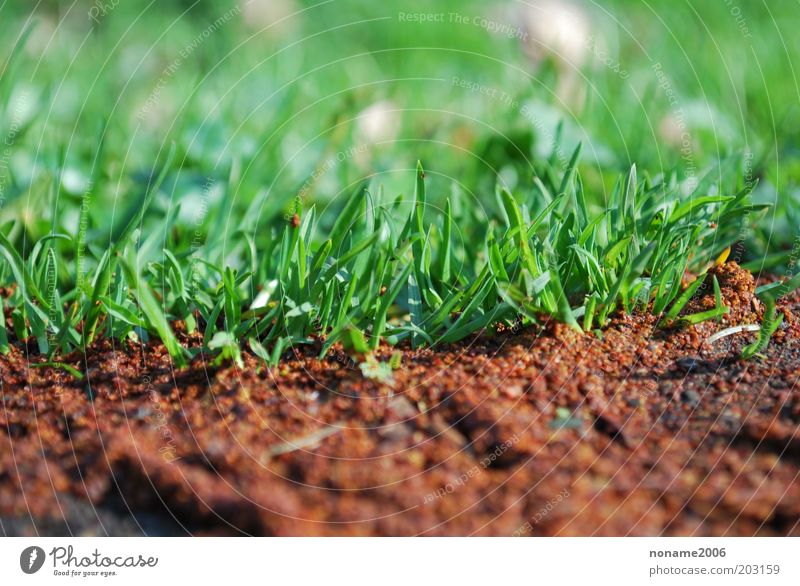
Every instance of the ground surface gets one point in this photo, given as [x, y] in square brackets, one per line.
[642, 431]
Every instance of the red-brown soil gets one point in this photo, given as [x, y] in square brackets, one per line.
[643, 431]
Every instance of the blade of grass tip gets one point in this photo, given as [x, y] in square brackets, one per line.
[741, 195]
[211, 322]
[498, 195]
[545, 193]
[580, 198]
[516, 223]
[251, 251]
[277, 351]
[701, 316]
[177, 275]
[419, 198]
[308, 225]
[764, 289]
[614, 211]
[445, 252]
[772, 320]
[122, 313]
[545, 214]
[419, 239]
[594, 272]
[19, 322]
[629, 196]
[786, 287]
[588, 316]
[568, 179]
[319, 258]
[37, 248]
[369, 211]
[569, 172]
[688, 207]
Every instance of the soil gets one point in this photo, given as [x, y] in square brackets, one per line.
[641, 430]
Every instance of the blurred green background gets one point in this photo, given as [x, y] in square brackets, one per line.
[288, 98]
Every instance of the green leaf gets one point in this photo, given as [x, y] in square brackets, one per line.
[701, 316]
[688, 207]
[4, 347]
[684, 298]
[353, 341]
[770, 324]
[228, 347]
[102, 281]
[63, 366]
[154, 313]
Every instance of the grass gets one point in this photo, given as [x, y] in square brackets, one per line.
[388, 269]
[250, 200]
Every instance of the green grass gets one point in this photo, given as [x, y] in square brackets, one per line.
[241, 192]
[388, 269]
